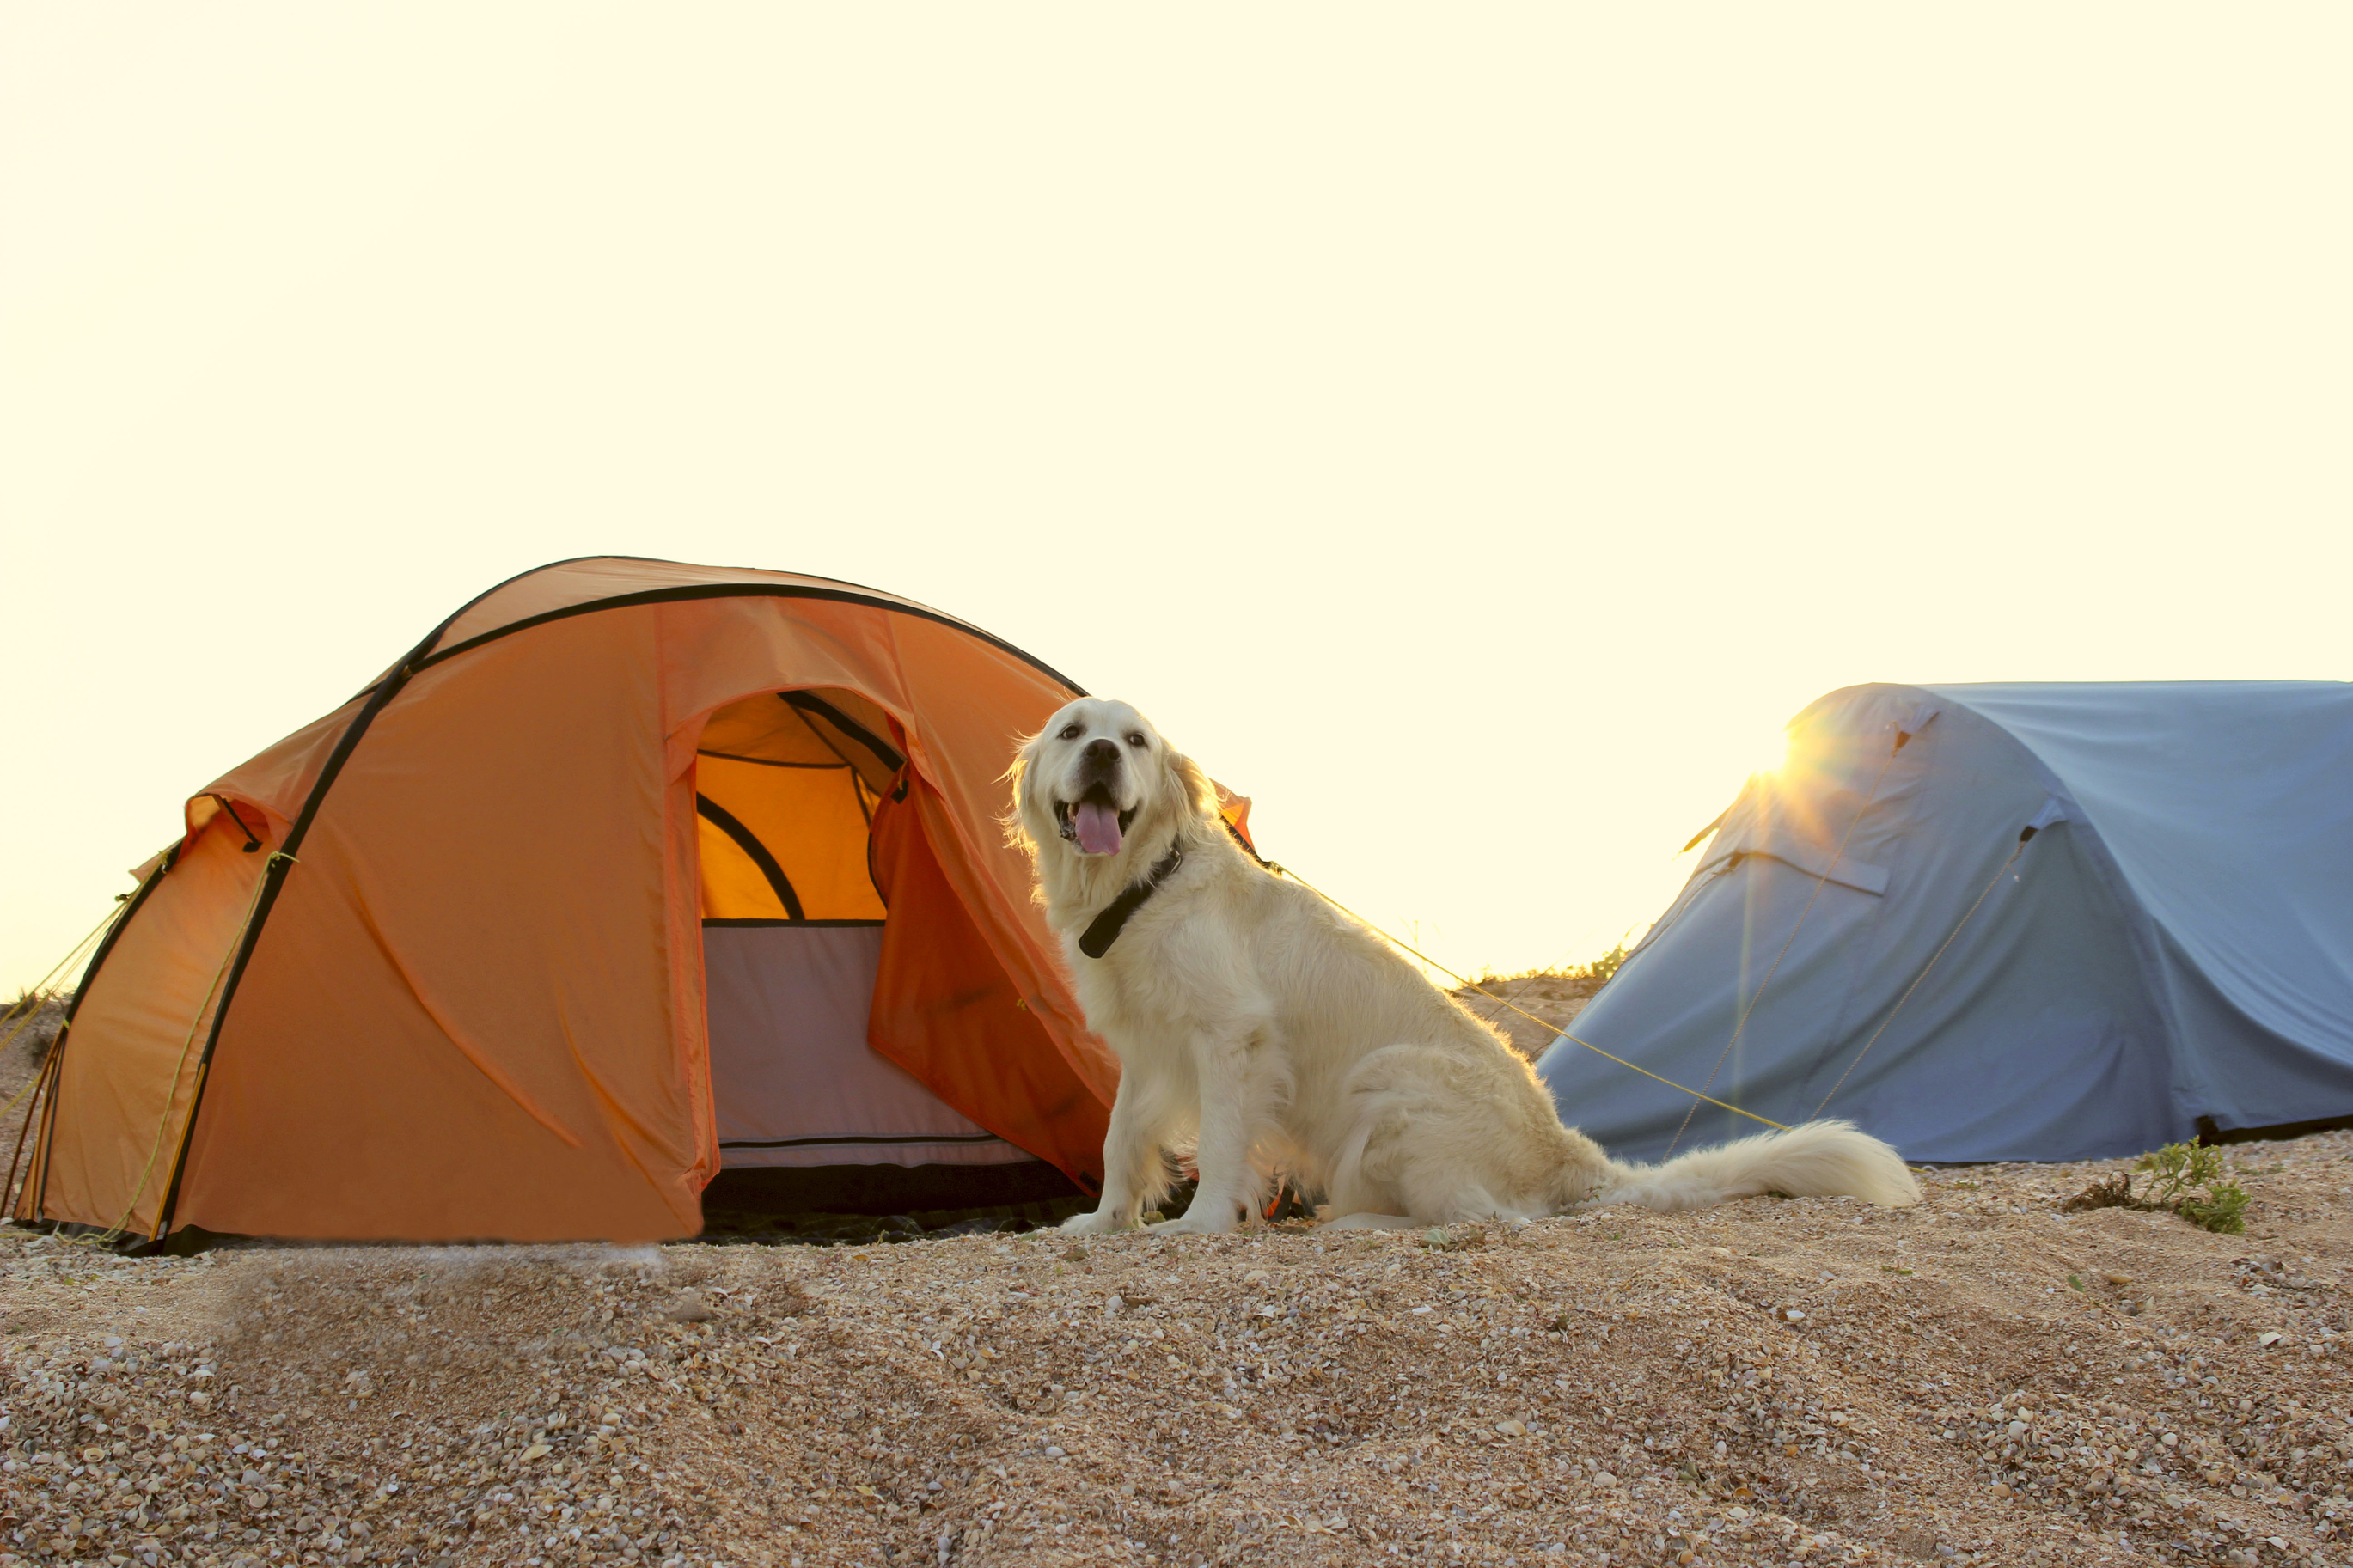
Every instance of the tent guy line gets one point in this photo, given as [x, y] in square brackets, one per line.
[2024, 837]
[212, 998]
[1474, 985]
[1820, 882]
[40, 987]
[98, 934]
[1405, 946]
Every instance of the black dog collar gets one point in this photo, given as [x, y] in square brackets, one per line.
[1096, 940]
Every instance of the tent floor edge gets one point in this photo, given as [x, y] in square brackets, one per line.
[2209, 1134]
[885, 1189]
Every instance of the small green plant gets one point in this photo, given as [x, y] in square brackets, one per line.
[1603, 968]
[2192, 1182]
[2223, 1210]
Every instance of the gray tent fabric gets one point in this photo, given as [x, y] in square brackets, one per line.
[2004, 923]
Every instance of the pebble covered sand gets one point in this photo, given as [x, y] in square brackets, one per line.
[1983, 1379]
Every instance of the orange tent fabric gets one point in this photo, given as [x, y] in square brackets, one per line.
[431, 968]
[945, 1011]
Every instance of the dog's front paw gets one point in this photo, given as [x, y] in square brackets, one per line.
[1102, 1222]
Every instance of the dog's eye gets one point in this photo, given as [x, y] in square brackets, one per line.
[1136, 739]
[1072, 732]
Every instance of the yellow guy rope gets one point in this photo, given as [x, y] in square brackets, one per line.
[63, 966]
[17, 1099]
[1531, 1017]
[40, 986]
[164, 1122]
[1741, 1026]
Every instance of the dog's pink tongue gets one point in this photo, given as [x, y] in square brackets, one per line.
[1098, 827]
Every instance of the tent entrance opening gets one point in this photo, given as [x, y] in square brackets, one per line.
[786, 787]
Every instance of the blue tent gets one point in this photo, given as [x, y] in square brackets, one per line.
[2005, 922]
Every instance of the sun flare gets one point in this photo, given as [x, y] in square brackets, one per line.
[1769, 753]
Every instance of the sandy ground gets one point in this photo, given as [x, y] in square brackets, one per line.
[1982, 1379]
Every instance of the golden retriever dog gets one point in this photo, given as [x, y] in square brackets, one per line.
[1266, 1032]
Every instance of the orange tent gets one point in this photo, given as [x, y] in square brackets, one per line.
[607, 884]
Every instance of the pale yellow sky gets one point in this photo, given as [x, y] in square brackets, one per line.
[1470, 430]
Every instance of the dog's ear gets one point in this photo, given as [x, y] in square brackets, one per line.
[1022, 820]
[1193, 786]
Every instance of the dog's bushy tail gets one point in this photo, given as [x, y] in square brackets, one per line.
[1816, 1160]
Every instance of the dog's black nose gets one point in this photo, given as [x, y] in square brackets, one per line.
[1101, 753]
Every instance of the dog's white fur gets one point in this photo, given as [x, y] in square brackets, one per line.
[1267, 1032]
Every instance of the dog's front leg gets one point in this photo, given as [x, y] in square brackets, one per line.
[1235, 1092]
[1131, 1158]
